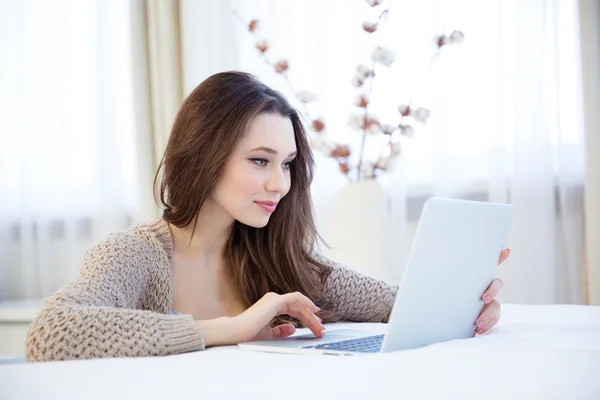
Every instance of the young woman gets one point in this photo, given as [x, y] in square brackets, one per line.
[234, 257]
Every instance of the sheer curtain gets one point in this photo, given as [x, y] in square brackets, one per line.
[505, 120]
[68, 165]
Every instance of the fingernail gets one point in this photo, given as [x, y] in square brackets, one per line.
[320, 320]
[508, 250]
[480, 323]
[487, 299]
[480, 330]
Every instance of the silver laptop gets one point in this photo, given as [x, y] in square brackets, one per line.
[452, 261]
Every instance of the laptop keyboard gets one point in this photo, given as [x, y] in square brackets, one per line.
[369, 344]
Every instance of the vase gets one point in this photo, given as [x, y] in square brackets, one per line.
[361, 231]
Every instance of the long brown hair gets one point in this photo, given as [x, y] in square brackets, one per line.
[278, 258]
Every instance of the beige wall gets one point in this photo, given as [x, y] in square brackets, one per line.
[589, 11]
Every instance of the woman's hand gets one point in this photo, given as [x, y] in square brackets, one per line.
[253, 324]
[490, 314]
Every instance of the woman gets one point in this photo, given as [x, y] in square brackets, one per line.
[233, 256]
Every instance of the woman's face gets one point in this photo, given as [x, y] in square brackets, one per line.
[257, 174]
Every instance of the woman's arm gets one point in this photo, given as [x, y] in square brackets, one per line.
[357, 297]
[100, 313]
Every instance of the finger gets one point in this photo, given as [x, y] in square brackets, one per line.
[301, 307]
[492, 291]
[265, 333]
[308, 319]
[487, 314]
[306, 301]
[504, 254]
[283, 330]
[311, 321]
[493, 321]
[289, 299]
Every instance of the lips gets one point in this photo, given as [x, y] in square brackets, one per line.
[268, 206]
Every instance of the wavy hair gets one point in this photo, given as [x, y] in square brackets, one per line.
[278, 258]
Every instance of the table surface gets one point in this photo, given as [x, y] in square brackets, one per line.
[535, 352]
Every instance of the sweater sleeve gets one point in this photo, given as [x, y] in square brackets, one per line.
[98, 314]
[357, 297]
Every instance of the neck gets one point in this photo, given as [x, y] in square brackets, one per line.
[210, 236]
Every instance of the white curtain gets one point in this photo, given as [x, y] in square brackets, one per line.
[68, 168]
[505, 115]
[208, 41]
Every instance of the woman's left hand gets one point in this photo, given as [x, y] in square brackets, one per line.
[490, 314]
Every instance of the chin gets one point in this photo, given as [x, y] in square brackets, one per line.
[254, 222]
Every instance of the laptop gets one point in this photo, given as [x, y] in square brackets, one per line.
[452, 261]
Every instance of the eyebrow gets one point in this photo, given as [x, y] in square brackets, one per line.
[272, 151]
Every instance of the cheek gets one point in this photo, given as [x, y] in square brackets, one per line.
[250, 182]
[244, 181]
[289, 185]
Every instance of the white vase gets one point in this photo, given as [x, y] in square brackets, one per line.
[361, 230]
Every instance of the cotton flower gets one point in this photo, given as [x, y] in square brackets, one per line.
[281, 66]
[442, 41]
[407, 131]
[262, 46]
[374, 3]
[340, 151]
[395, 148]
[404, 110]
[318, 125]
[362, 71]
[373, 126]
[344, 168]
[357, 82]
[253, 25]
[319, 142]
[367, 169]
[457, 37]
[356, 122]
[361, 101]
[383, 163]
[383, 56]
[369, 26]
[387, 163]
[421, 114]
[306, 96]
[388, 129]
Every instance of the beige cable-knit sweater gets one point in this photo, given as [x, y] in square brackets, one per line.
[120, 305]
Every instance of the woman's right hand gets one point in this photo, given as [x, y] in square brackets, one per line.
[254, 323]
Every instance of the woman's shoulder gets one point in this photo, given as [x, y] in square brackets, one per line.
[141, 240]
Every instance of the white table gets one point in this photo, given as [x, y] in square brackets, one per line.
[536, 352]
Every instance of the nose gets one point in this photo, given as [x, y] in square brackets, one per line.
[277, 182]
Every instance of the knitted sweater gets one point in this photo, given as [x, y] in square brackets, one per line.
[120, 304]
